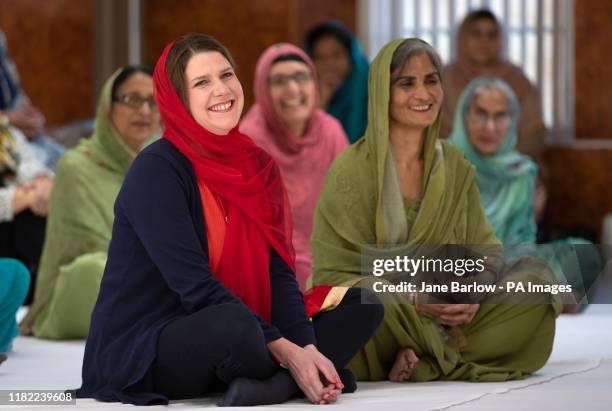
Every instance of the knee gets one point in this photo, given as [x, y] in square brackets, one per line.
[16, 274]
[238, 324]
[372, 310]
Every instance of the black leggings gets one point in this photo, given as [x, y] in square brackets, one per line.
[22, 239]
[206, 350]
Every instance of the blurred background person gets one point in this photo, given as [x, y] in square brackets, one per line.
[485, 129]
[343, 75]
[81, 210]
[303, 140]
[14, 284]
[25, 187]
[480, 46]
[20, 113]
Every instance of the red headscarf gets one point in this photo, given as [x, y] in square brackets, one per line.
[244, 178]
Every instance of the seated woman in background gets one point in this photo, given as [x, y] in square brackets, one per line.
[81, 210]
[19, 111]
[199, 292]
[485, 130]
[401, 186]
[25, 187]
[480, 41]
[343, 76]
[303, 140]
[14, 284]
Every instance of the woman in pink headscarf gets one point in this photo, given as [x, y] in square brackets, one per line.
[304, 140]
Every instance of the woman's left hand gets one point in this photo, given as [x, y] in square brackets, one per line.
[328, 372]
[42, 187]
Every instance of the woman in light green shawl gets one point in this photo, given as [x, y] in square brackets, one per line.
[486, 129]
[401, 186]
[79, 226]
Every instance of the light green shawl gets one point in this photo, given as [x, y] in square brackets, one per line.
[506, 179]
[88, 179]
[361, 202]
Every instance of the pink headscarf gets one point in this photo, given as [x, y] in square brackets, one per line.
[303, 161]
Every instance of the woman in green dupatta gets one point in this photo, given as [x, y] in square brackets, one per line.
[79, 226]
[401, 186]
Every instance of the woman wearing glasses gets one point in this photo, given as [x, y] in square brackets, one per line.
[486, 129]
[480, 40]
[79, 225]
[304, 140]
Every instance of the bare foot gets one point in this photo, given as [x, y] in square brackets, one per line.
[405, 362]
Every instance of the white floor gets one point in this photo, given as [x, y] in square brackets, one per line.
[578, 376]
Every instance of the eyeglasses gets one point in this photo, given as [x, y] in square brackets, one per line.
[281, 80]
[135, 101]
[500, 120]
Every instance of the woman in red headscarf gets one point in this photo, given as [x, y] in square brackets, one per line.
[199, 292]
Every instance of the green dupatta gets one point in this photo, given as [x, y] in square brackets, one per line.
[361, 203]
[88, 179]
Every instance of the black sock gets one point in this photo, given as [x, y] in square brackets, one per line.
[348, 379]
[248, 391]
[2, 357]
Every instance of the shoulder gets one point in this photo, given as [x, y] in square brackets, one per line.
[72, 160]
[350, 170]
[455, 159]
[518, 80]
[158, 168]
[162, 156]
[330, 126]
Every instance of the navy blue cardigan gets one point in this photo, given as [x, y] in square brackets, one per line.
[158, 271]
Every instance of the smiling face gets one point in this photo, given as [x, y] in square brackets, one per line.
[214, 94]
[416, 94]
[487, 120]
[292, 91]
[135, 124]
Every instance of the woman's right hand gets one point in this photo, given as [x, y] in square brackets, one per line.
[306, 367]
[449, 314]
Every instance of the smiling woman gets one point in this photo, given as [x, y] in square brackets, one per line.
[304, 141]
[202, 247]
[79, 225]
[399, 186]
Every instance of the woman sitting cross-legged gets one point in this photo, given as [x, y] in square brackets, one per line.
[400, 186]
[199, 293]
[81, 213]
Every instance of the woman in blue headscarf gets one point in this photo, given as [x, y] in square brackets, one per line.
[485, 129]
[343, 76]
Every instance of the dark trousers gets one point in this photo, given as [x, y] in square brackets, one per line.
[206, 350]
[23, 239]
